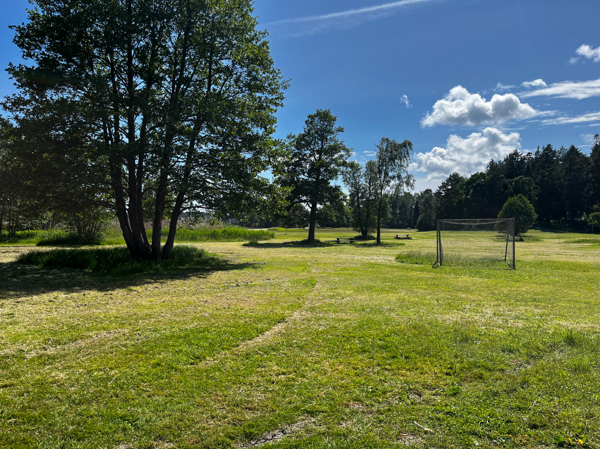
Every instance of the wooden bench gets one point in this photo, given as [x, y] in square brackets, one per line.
[403, 237]
[344, 240]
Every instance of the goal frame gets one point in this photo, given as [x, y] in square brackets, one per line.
[477, 221]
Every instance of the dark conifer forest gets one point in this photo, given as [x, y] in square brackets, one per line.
[562, 184]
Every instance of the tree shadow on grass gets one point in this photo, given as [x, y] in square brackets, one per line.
[300, 244]
[21, 281]
[322, 244]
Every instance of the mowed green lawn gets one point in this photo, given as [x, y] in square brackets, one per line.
[338, 346]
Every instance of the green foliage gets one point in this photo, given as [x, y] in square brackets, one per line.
[449, 197]
[402, 205]
[519, 208]
[361, 198]
[116, 261]
[316, 158]
[525, 186]
[593, 220]
[172, 105]
[390, 172]
[425, 223]
[427, 207]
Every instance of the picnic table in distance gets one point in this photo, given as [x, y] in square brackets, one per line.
[403, 237]
[344, 240]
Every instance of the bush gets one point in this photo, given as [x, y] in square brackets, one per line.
[117, 261]
[519, 208]
[593, 220]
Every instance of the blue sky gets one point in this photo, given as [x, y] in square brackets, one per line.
[446, 74]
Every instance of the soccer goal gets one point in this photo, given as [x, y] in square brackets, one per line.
[486, 241]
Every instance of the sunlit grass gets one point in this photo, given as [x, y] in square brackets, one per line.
[295, 346]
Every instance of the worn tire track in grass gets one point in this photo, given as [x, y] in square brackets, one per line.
[267, 335]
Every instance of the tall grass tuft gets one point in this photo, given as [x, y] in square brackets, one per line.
[227, 234]
[417, 257]
[117, 261]
[429, 258]
[69, 239]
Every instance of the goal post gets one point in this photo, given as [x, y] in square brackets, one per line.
[476, 241]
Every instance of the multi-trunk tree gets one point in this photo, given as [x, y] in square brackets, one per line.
[316, 159]
[176, 100]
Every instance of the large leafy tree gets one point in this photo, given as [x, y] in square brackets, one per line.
[176, 98]
[390, 170]
[317, 157]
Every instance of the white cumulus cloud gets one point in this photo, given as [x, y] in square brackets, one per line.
[404, 100]
[588, 52]
[567, 89]
[467, 156]
[460, 107]
[534, 83]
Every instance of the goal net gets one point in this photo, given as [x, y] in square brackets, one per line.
[476, 242]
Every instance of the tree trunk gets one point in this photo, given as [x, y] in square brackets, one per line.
[168, 247]
[378, 227]
[312, 223]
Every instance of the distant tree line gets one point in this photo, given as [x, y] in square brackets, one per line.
[563, 186]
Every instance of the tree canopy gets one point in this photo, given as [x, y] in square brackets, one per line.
[317, 157]
[174, 103]
[519, 208]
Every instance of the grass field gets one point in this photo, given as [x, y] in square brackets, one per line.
[292, 346]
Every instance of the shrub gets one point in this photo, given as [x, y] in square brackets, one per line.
[117, 261]
[519, 208]
[593, 220]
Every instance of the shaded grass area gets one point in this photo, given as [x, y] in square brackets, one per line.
[117, 261]
[324, 347]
